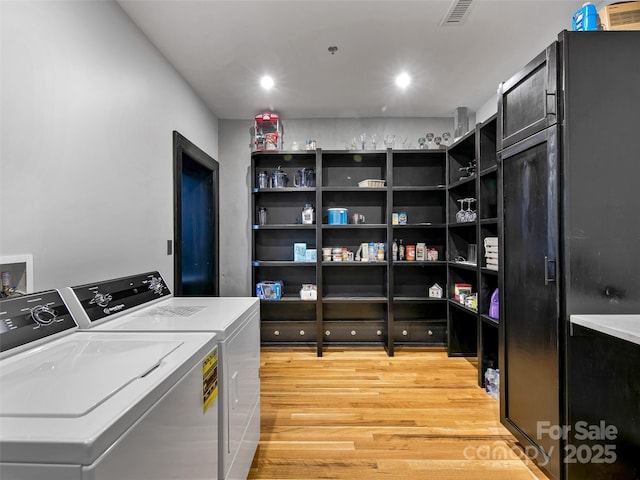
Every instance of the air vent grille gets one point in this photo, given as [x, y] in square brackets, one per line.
[457, 13]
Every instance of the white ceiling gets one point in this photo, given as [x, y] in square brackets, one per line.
[222, 47]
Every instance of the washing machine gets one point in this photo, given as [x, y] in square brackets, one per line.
[143, 302]
[102, 406]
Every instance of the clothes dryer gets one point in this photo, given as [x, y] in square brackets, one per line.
[144, 303]
[102, 406]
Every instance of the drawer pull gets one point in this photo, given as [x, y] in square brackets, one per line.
[353, 332]
[430, 332]
[405, 333]
[302, 333]
[276, 333]
[379, 332]
[327, 333]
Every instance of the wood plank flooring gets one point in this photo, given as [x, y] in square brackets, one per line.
[358, 414]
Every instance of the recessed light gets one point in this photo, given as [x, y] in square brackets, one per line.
[403, 80]
[266, 82]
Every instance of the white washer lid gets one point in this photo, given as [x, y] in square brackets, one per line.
[222, 315]
[69, 400]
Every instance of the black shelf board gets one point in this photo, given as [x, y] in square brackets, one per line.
[464, 265]
[281, 263]
[408, 188]
[488, 170]
[462, 225]
[414, 263]
[354, 151]
[489, 221]
[489, 271]
[352, 299]
[420, 225]
[354, 263]
[356, 226]
[354, 189]
[462, 307]
[288, 299]
[462, 181]
[283, 152]
[287, 226]
[489, 321]
[400, 299]
[283, 189]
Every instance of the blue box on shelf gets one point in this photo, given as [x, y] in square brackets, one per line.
[299, 252]
[269, 289]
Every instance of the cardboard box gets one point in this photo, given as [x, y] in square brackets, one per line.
[620, 16]
[299, 252]
[461, 289]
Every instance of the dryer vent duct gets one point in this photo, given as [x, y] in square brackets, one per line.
[457, 13]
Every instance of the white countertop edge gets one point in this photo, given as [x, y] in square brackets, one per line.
[624, 327]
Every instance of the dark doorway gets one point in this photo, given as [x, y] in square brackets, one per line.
[196, 232]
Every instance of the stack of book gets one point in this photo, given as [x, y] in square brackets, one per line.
[491, 252]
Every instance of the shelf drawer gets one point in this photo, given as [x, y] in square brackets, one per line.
[288, 332]
[429, 333]
[353, 332]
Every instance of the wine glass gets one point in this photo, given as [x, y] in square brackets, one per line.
[460, 214]
[429, 136]
[446, 136]
[373, 141]
[471, 215]
[437, 141]
[363, 141]
[421, 142]
[389, 141]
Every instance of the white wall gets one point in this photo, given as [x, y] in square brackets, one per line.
[488, 108]
[88, 108]
[235, 181]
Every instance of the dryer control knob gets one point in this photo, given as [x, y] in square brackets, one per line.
[101, 299]
[155, 285]
[43, 315]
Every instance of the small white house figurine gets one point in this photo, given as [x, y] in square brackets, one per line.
[435, 291]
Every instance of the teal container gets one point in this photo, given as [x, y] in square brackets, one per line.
[585, 19]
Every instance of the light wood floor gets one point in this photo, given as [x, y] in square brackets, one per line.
[357, 414]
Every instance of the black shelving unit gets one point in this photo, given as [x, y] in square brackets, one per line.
[471, 331]
[382, 303]
[419, 191]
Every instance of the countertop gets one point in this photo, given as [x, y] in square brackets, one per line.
[624, 327]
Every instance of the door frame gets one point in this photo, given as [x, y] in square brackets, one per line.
[183, 147]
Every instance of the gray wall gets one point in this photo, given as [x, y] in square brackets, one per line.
[88, 109]
[235, 181]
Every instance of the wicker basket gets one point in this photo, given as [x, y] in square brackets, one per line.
[370, 182]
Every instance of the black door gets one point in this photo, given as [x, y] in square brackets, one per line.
[529, 317]
[528, 101]
[196, 199]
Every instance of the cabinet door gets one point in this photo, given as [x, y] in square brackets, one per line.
[529, 316]
[527, 102]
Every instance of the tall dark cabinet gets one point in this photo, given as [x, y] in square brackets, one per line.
[568, 170]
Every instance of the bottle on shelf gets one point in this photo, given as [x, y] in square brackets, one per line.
[401, 251]
[395, 250]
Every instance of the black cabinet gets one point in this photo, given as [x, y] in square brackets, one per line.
[528, 101]
[566, 245]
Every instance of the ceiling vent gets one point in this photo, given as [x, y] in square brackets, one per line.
[457, 13]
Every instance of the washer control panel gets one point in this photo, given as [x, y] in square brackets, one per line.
[32, 317]
[103, 299]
